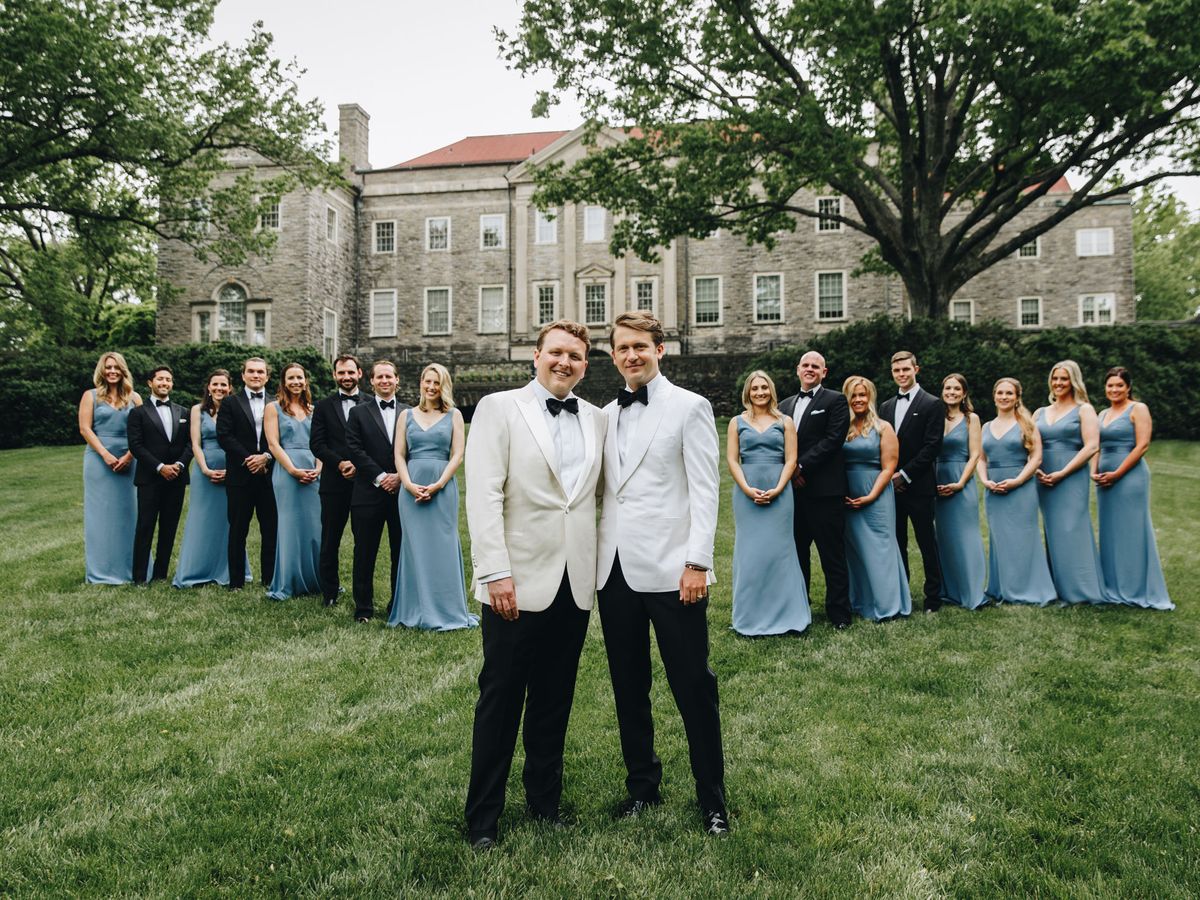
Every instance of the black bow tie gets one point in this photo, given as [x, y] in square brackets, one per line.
[628, 398]
[902, 396]
[555, 406]
[353, 397]
[256, 396]
[807, 394]
[387, 404]
[162, 402]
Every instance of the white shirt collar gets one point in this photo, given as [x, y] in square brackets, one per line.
[543, 394]
[651, 386]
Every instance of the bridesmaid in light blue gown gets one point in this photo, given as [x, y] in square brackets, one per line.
[1128, 551]
[1070, 438]
[1012, 451]
[769, 594]
[286, 425]
[430, 587]
[109, 497]
[878, 580]
[202, 555]
[956, 523]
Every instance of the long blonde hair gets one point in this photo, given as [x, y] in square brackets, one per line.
[124, 386]
[871, 418]
[1024, 419]
[1075, 374]
[446, 399]
[773, 406]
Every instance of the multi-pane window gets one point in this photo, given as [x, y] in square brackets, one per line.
[962, 311]
[1029, 312]
[204, 327]
[330, 223]
[768, 298]
[269, 216]
[437, 310]
[1094, 242]
[595, 304]
[231, 314]
[437, 233]
[383, 313]
[329, 336]
[491, 232]
[593, 223]
[1097, 309]
[706, 294]
[493, 311]
[1031, 250]
[547, 302]
[546, 227]
[827, 208]
[831, 295]
[385, 237]
[643, 295]
[258, 334]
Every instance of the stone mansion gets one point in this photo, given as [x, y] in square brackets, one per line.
[443, 257]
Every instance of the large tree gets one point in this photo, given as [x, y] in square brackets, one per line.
[1166, 256]
[116, 121]
[943, 121]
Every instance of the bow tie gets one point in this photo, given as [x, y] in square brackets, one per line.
[387, 404]
[903, 396]
[628, 398]
[256, 396]
[554, 406]
[162, 402]
[352, 397]
[807, 395]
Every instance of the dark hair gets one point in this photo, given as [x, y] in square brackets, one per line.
[162, 368]
[347, 356]
[574, 329]
[966, 405]
[284, 396]
[383, 362]
[638, 321]
[209, 405]
[1122, 373]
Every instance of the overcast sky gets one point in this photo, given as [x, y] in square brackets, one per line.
[428, 73]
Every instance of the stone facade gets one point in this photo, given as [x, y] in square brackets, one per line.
[445, 258]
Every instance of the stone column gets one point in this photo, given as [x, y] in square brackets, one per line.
[669, 300]
[521, 297]
[620, 300]
[567, 233]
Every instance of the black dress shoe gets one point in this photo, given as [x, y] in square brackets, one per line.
[841, 626]
[552, 820]
[716, 822]
[332, 601]
[631, 808]
[363, 620]
[482, 843]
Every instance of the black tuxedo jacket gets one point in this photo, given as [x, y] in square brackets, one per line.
[328, 442]
[920, 439]
[820, 436]
[370, 451]
[150, 445]
[237, 437]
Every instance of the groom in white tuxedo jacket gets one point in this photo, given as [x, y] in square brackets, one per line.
[532, 464]
[655, 561]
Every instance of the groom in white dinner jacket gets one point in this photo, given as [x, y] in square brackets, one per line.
[655, 561]
[532, 464]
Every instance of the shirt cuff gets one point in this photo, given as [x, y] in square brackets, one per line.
[484, 579]
[904, 475]
[379, 478]
[160, 467]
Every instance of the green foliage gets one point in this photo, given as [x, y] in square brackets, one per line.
[1160, 358]
[1166, 256]
[944, 123]
[41, 392]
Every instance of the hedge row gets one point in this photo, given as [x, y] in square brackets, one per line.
[1164, 361]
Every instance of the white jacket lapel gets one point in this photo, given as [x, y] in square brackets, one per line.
[651, 418]
[588, 425]
[531, 411]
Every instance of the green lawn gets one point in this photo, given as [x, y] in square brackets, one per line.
[166, 743]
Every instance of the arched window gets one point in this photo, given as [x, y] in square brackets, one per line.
[231, 314]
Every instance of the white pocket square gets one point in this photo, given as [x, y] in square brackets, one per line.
[817, 412]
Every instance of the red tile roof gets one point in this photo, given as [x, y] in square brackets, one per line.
[485, 149]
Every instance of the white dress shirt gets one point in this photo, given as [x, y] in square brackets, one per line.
[349, 401]
[629, 417]
[257, 405]
[802, 404]
[165, 415]
[567, 433]
[389, 418]
[904, 404]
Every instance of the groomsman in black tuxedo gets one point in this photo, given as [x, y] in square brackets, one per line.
[248, 490]
[370, 437]
[822, 419]
[918, 418]
[328, 444]
[160, 439]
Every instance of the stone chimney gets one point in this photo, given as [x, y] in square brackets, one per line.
[354, 126]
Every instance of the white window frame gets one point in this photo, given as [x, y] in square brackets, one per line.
[326, 337]
[1020, 313]
[824, 225]
[651, 280]
[549, 219]
[720, 280]
[200, 334]
[429, 248]
[1086, 242]
[1037, 249]
[331, 238]
[536, 287]
[375, 237]
[502, 228]
[1112, 309]
[278, 226]
[589, 236]
[449, 309]
[503, 288]
[754, 298]
[817, 296]
[375, 332]
[216, 319]
[604, 283]
[970, 320]
[252, 313]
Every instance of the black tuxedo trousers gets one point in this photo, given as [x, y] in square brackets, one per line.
[159, 502]
[254, 497]
[822, 520]
[367, 521]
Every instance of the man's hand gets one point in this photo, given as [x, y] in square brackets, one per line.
[171, 472]
[258, 464]
[503, 594]
[390, 482]
[346, 468]
[693, 586]
[899, 483]
[797, 480]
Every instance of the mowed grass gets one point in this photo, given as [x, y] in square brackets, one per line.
[171, 743]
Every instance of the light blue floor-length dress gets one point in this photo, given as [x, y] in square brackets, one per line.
[1070, 543]
[878, 582]
[1129, 559]
[956, 524]
[109, 500]
[430, 591]
[1017, 568]
[298, 545]
[204, 552]
[769, 594]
